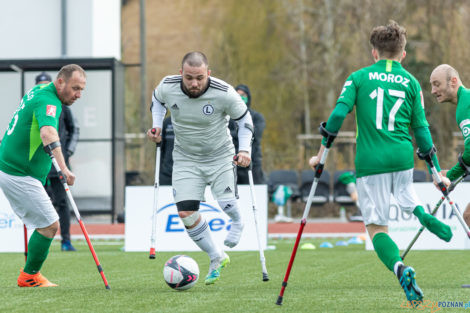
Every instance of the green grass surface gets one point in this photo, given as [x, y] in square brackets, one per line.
[341, 279]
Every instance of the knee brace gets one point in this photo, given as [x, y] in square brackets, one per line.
[191, 219]
[188, 205]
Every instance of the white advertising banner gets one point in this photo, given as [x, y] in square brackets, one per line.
[171, 234]
[403, 227]
[11, 228]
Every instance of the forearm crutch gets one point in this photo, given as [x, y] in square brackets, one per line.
[330, 137]
[255, 214]
[451, 187]
[156, 186]
[445, 192]
[63, 180]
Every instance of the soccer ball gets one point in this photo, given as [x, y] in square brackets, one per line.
[181, 272]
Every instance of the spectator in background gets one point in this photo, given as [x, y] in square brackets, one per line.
[256, 154]
[168, 142]
[43, 78]
[68, 134]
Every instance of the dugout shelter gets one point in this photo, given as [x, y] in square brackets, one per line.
[99, 160]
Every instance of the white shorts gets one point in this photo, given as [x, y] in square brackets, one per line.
[374, 192]
[191, 178]
[29, 200]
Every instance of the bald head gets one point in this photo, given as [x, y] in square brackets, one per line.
[445, 83]
[447, 71]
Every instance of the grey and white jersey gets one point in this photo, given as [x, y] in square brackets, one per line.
[201, 124]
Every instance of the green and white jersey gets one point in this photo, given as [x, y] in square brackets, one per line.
[462, 116]
[388, 101]
[21, 150]
[463, 113]
[201, 124]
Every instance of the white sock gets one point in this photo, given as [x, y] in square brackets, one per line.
[202, 236]
[230, 207]
[395, 267]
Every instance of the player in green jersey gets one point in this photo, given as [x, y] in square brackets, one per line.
[388, 101]
[24, 164]
[447, 87]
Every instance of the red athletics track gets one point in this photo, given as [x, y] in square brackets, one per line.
[273, 228]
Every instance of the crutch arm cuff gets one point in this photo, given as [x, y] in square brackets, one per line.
[426, 156]
[329, 136]
[48, 148]
[463, 165]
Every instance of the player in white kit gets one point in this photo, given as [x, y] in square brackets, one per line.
[200, 108]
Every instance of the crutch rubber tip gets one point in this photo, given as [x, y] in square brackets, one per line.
[279, 300]
[152, 256]
[107, 287]
[265, 277]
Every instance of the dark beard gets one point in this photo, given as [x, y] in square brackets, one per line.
[191, 94]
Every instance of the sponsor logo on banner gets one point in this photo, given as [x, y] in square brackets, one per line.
[215, 218]
[9, 221]
[11, 228]
[171, 234]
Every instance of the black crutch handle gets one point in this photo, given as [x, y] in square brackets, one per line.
[330, 137]
[428, 158]
[48, 148]
[250, 167]
[154, 130]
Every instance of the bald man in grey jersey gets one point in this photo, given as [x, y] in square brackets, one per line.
[200, 107]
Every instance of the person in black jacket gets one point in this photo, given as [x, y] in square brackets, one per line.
[256, 154]
[166, 161]
[68, 134]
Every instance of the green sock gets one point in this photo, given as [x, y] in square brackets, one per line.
[435, 226]
[386, 249]
[420, 214]
[38, 249]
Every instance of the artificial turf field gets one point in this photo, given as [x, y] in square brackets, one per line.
[341, 279]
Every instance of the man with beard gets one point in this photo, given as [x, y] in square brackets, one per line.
[200, 107]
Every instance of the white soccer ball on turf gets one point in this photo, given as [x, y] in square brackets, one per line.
[181, 272]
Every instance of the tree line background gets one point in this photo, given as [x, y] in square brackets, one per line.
[295, 56]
